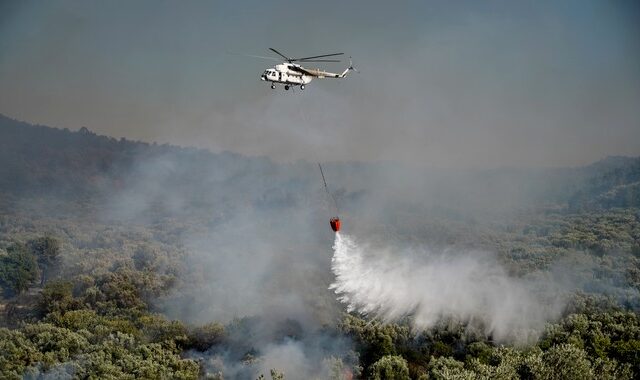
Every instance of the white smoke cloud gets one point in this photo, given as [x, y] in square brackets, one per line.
[318, 356]
[467, 287]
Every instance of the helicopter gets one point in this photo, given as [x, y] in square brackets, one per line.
[292, 74]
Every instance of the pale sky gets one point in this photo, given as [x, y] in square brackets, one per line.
[441, 83]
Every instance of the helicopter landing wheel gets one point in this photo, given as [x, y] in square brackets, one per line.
[286, 87]
[273, 86]
[302, 86]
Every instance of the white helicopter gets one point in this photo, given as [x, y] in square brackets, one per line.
[292, 74]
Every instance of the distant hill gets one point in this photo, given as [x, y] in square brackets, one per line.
[82, 169]
[81, 166]
[612, 182]
[37, 158]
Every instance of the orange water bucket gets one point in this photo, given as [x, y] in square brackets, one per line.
[335, 224]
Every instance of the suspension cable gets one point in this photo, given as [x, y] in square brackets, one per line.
[335, 203]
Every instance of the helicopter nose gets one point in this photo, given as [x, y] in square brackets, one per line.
[262, 77]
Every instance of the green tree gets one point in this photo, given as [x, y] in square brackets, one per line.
[145, 258]
[203, 337]
[47, 251]
[16, 354]
[390, 367]
[373, 339]
[156, 329]
[18, 269]
[502, 364]
[57, 344]
[567, 362]
[275, 375]
[610, 369]
[444, 368]
[56, 297]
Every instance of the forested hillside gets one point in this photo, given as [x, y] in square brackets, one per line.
[123, 259]
[614, 182]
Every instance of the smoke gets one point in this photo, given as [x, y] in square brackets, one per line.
[295, 359]
[255, 346]
[261, 261]
[298, 362]
[469, 287]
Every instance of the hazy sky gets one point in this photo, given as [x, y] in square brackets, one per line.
[442, 83]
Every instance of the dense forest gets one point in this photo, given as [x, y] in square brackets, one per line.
[125, 259]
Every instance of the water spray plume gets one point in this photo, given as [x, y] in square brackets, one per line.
[471, 288]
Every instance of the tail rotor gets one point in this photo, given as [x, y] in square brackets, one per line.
[351, 66]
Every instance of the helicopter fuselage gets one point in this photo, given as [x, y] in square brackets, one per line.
[291, 74]
[287, 74]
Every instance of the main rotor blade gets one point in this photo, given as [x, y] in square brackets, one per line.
[317, 56]
[255, 56]
[318, 60]
[280, 54]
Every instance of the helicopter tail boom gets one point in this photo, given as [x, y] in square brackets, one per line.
[350, 68]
